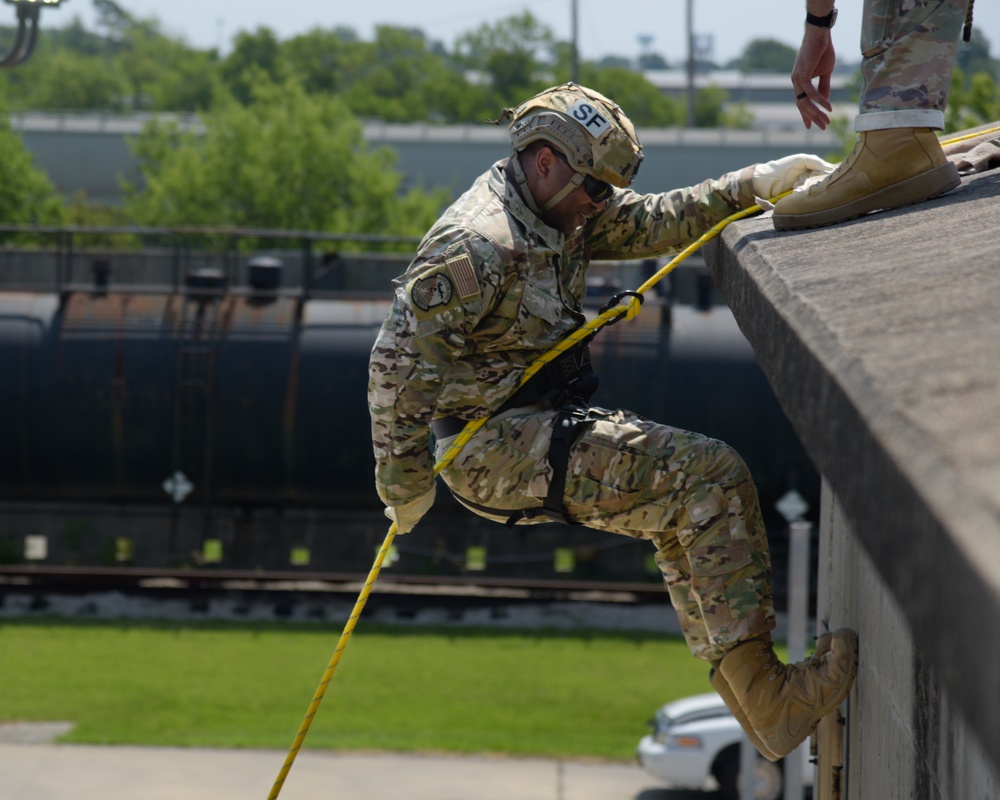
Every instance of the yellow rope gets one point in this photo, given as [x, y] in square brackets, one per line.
[630, 311]
[332, 666]
[966, 137]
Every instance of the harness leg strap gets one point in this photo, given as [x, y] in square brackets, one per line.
[569, 422]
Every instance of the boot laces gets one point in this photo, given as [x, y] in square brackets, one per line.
[843, 165]
[772, 661]
[784, 672]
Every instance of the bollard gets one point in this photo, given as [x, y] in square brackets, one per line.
[798, 613]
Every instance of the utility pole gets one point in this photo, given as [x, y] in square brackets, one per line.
[574, 44]
[690, 63]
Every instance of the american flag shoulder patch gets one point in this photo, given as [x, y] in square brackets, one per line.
[464, 274]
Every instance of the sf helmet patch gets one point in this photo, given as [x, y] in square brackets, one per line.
[435, 290]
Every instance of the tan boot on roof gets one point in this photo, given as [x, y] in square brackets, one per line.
[784, 703]
[886, 169]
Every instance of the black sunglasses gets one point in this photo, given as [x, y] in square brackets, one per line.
[596, 190]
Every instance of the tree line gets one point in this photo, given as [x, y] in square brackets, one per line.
[283, 145]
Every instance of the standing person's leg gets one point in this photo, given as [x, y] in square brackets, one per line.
[908, 56]
[909, 52]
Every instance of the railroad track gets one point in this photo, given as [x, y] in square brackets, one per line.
[221, 593]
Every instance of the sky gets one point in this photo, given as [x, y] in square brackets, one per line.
[606, 27]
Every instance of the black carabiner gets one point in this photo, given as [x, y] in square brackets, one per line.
[617, 299]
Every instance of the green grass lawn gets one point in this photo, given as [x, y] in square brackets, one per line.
[585, 694]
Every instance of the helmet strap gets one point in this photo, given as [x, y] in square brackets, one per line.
[522, 181]
[575, 181]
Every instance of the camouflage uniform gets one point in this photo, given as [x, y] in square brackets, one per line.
[491, 288]
[909, 49]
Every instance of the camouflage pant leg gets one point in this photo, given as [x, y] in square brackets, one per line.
[690, 495]
[909, 49]
[505, 464]
[693, 497]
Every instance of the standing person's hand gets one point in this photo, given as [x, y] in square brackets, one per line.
[816, 59]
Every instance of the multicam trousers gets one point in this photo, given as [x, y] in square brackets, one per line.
[909, 49]
[691, 496]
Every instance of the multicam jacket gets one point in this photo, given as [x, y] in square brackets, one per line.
[491, 288]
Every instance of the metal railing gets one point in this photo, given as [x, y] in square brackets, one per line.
[56, 257]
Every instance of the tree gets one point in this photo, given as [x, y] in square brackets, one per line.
[398, 77]
[622, 62]
[133, 66]
[283, 160]
[253, 54]
[392, 83]
[974, 56]
[165, 74]
[27, 197]
[642, 102]
[708, 106]
[652, 61]
[191, 83]
[767, 55]
[969, 107]
[81, 211]
[68, 80]
[114, 19]
[512, 52]
[319, 58]
[76, 38]
[734, 115]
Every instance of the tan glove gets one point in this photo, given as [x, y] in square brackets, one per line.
[776, 177]
[409, 514]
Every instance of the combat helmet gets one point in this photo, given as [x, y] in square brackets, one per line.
[590, 130]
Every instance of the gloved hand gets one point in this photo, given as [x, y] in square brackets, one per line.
[409, 514]
[776, 177]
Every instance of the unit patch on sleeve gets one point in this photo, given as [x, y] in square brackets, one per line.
[450, 284]
[434, 290]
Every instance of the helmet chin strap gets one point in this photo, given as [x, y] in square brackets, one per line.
[575, 181]
[522, 181]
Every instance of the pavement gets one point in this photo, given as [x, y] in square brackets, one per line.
[32, 771]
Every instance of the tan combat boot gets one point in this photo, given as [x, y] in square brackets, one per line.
[721, 685]
[726, 693]
[886, 169]
[784, 703]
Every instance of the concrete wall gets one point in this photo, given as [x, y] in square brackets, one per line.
[881, 339]
[905, 738]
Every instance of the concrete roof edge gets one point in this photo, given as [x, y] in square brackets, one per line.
[933, 534]
[958, 507]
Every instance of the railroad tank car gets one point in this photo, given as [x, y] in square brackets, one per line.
[255, 396]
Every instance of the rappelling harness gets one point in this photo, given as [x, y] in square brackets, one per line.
[566, 384]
